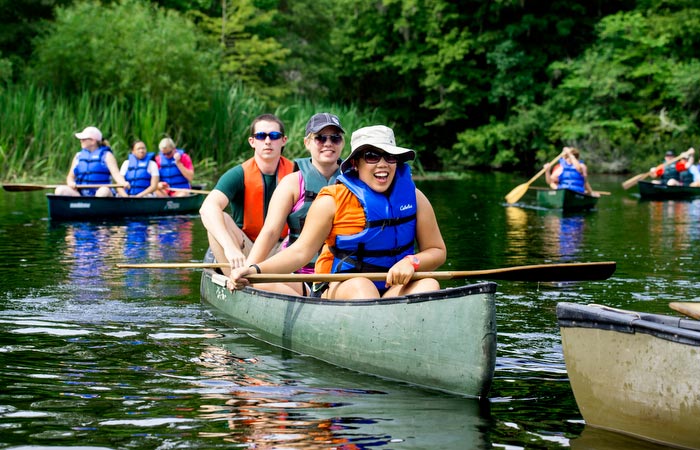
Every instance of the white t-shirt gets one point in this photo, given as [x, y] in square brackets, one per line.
[152, 167]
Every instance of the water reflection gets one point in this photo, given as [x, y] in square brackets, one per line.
[297, 402]
[559, 235]
[91, 250]
[517, 235]
[597, 439]
[674, 225]
[161, 240]
[563, 235]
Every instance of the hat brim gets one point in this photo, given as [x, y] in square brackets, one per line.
[86, 136]
[407, 154]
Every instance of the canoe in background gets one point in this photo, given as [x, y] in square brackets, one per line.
[63, 207]
[634, 373]
[658, 191]
[565, 199]
[443, 340]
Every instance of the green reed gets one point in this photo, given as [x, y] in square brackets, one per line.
[37, 140]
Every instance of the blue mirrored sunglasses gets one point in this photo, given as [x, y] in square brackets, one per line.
[335, 138]
[274, 135]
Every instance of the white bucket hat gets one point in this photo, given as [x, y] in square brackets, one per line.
[90, 133]
[378, 136]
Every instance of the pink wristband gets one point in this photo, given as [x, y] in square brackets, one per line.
[415, 262]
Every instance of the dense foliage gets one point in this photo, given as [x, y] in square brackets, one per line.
[118, 51]
[470, 84]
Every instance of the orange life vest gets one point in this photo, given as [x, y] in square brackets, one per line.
[349, 219]
[254, 195]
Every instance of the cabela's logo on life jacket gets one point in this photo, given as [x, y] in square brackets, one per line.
[406, 207]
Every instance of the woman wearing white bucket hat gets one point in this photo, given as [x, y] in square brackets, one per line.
[93, 164]
[370, 221]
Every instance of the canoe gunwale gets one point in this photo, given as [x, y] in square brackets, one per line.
[487, 287]
[674, 329]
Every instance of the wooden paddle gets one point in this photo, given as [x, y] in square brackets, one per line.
[193, 191]
[10, 187]
[520, 190]
[637, 178]
[539, 272]
[690, 309]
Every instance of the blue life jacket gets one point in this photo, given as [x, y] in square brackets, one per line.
[570, 178]
[170, 173]
[137, 174]
[92, 169]
[390, 230]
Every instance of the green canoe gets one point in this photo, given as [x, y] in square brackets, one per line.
[63, 207]
[443, 340]
[565, 199]
[658, 191]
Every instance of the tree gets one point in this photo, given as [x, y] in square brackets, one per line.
[21, 21]
[124, 50]
[444, 67]
[248, 55]
[636, 91]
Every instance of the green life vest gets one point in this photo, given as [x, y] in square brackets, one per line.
[313, 182]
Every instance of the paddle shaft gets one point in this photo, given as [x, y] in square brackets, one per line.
[193, 191]
[520, 190]
[544, 169]
[38, 187]
[539, 272]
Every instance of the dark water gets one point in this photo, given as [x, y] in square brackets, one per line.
[96, 357]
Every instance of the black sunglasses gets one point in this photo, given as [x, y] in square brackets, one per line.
[274, 135]
[335, 138]
[373, 157]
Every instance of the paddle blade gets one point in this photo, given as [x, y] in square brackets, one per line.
[588, 271]
[27, 187]
[517, 193]
[634, 180]
[690, 309]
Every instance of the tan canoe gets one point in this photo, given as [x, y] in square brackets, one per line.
[634, 373]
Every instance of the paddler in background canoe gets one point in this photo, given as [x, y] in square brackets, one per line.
[94, 164]
[325, 140]
[570, 173]
[674, 172]
[248, 188]
[141, 171]
[369, 221]
[175, 170]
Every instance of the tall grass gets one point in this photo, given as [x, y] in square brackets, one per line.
[37, 140]
[38, 127]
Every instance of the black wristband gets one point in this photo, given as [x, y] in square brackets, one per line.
[256, 267]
